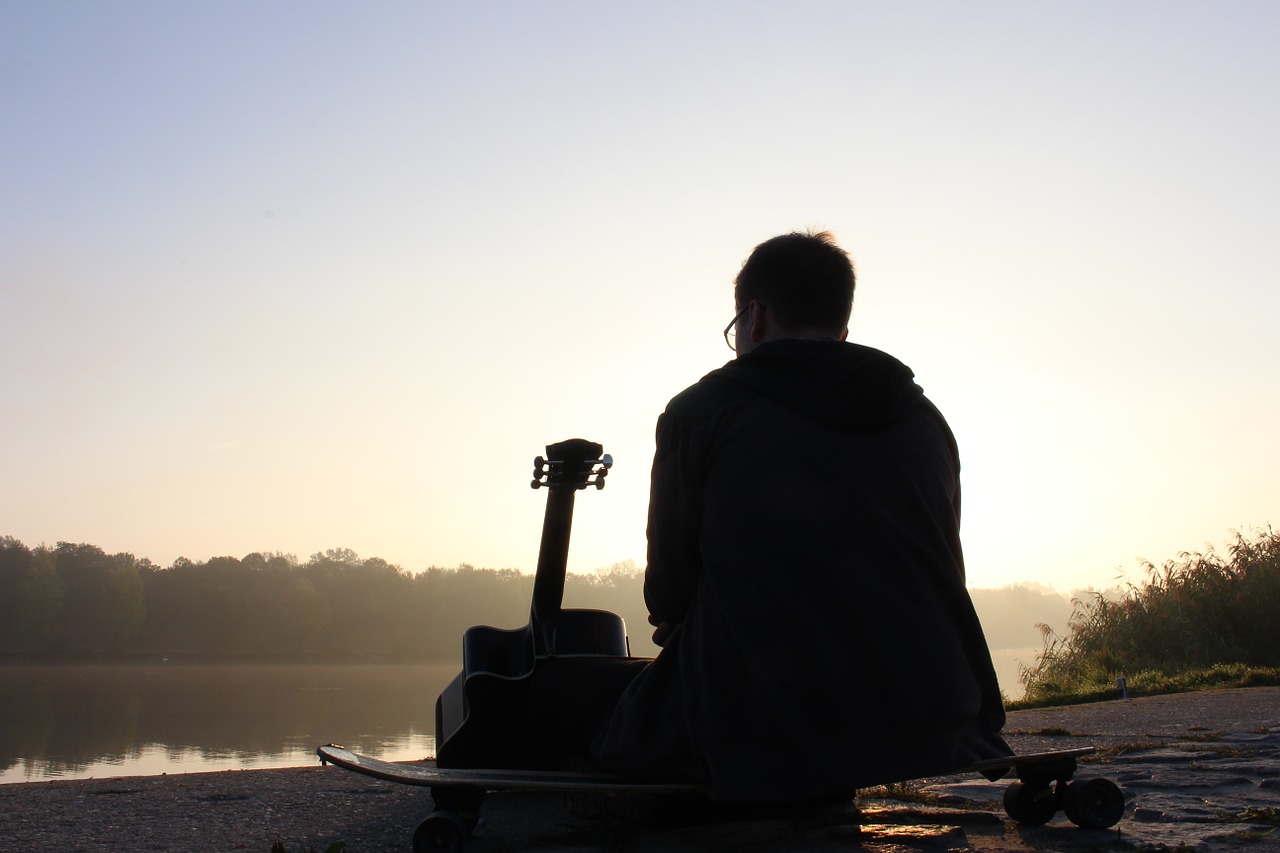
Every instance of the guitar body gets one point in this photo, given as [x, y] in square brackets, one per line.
[477, 715]
[474, 722]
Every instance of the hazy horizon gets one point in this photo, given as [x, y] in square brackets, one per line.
[627, 565]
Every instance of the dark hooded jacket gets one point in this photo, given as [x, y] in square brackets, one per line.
[804, 533]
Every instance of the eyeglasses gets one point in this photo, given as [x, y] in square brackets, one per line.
[731, 330]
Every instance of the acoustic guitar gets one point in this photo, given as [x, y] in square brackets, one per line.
[477, 714]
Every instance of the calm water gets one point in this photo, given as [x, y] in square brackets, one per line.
[80, 722]
[77, 722]
[1007, 663]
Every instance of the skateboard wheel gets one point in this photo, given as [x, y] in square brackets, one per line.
[1094, 803]
[1030, 805]
[441, 831]
[461, 803]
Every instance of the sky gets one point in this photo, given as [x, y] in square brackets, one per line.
[293, 276]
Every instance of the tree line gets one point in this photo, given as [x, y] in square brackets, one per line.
[74, 602]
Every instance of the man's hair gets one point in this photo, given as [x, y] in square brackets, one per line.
[805, 279]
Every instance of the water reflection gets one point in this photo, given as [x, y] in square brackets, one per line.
[75, 722]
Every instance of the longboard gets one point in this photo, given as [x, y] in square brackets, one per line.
[1043, 787]
[497, 780]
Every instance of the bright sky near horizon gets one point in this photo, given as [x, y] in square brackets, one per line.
[291, 276]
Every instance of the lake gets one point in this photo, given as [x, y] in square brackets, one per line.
[1008, 663]
[80, 722]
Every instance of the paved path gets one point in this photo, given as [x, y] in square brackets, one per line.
[1200, 771]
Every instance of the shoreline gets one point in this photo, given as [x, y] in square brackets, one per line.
[314, 806]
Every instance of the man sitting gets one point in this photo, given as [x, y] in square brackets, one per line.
[804, 568]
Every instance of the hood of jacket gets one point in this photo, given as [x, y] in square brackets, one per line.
[837, 384]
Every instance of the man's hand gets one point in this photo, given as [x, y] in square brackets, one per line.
[664, 632]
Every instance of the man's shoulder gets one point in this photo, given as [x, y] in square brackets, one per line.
[711, 392]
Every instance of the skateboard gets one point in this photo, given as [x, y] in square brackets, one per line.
[457, 794]
[1044, 786]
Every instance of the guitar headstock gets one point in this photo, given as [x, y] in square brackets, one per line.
[573, 464]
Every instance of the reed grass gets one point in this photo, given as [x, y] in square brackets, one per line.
[1200, 621]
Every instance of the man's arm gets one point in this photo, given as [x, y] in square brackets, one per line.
[675, 516]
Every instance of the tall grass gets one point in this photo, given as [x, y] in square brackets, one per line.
[1200, 620]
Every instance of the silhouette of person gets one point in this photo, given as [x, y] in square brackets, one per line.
[805, 573]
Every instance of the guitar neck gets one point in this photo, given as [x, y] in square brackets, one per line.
[570, 465]
[553, 560]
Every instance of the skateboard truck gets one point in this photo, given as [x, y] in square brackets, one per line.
[1045, 786]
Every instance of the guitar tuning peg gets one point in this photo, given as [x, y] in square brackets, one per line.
[598, 475]
[574, 464]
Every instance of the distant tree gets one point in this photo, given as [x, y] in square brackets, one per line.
[370, 606]
[39, 599]
[226, 615]
[290, 616]
[619, 588]
[298, 616]
[30, 599]
[15, 562]
[449, 601]
[172, 624]
[103, 599]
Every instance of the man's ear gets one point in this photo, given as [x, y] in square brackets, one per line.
[759, 324]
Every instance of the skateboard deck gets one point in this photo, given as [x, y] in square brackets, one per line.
[1043, 787]
[1026, 763]
[497, 780]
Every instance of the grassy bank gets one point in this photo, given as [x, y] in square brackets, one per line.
[1155, 683]
[1201, 621]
